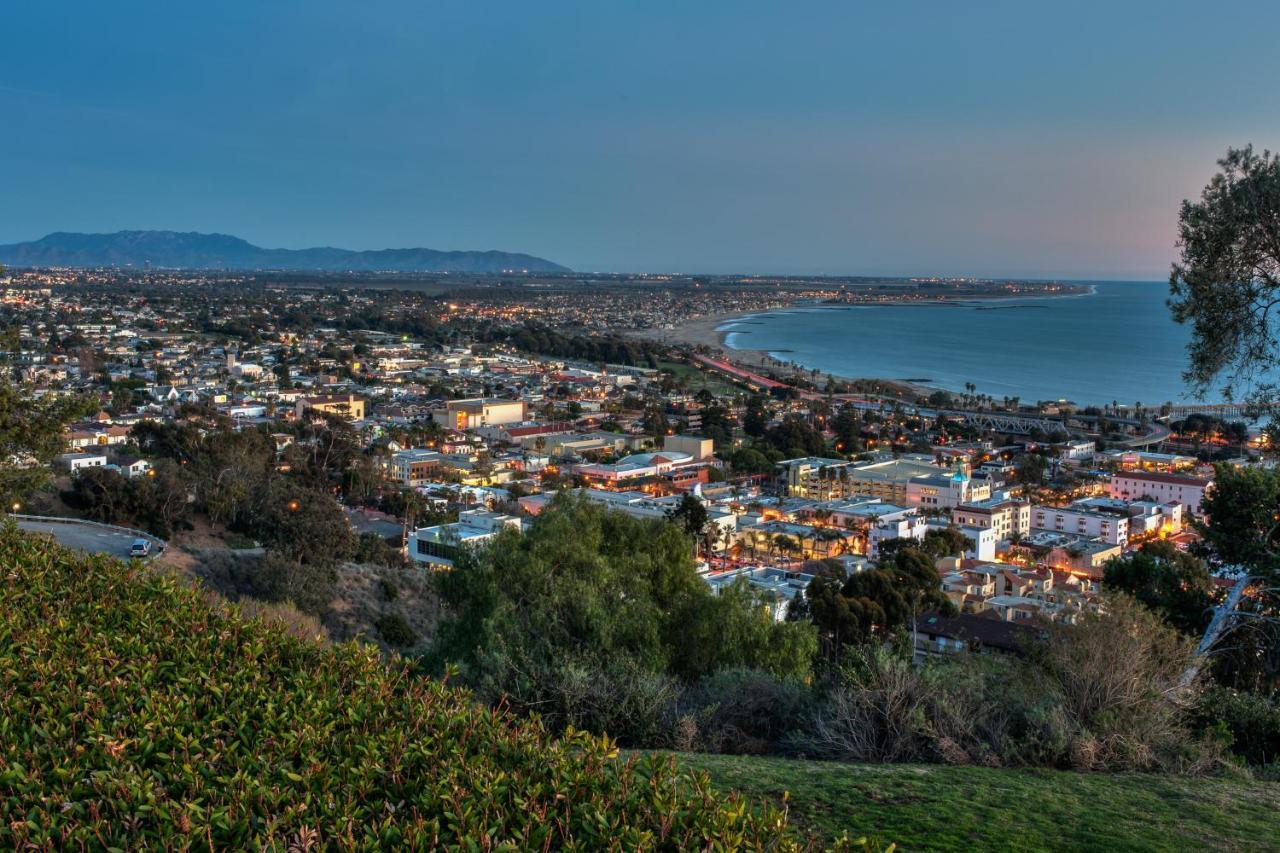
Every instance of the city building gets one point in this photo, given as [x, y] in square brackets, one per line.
[440, 545]
[415, 467]
[939, 491]
[1007, 516]
[348, 406]
[1161, 488]
[480, 412]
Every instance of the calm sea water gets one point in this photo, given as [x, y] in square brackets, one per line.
[1117, 343]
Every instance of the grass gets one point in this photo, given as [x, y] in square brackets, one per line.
[963, 808]
[699, 379]
[140, 713]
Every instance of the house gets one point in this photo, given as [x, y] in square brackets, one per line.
[934, 635]
[132, 466]
[80, 461]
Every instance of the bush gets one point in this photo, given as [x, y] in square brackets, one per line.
[742, 711]
[390, 592]
[1252, 721]
[395, 629]
[309, 587]
[138, 714]
[1102, 694]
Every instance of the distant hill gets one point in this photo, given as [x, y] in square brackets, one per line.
[191, 250]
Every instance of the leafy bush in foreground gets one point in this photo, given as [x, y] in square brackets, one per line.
[137, 713]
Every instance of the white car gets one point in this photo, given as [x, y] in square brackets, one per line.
[140, 548]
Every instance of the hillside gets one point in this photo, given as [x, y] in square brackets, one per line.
[929, 807]
[143, 713]
[191, 250]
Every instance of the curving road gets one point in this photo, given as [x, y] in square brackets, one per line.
[90, 538]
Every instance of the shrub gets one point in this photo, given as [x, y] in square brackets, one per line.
[395, 629]
[309, 587]
[743, 711]
[390, 592]
[1252, 721]
[140, 715]
[1102, 694]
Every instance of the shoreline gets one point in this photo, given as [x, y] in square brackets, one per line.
[704, 331]
[707, 333]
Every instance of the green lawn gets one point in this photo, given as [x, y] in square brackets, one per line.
[924, 807]
[699, 379]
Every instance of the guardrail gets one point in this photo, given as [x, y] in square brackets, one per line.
[59, 519]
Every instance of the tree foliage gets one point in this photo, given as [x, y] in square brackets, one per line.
[1227, 282]
[1171, 582]
[589, 607]
[31, 436]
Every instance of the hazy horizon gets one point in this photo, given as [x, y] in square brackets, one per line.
[1005, 141]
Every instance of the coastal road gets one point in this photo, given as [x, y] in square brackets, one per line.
[90, 538]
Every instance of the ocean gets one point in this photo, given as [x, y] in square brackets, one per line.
[1118, 343]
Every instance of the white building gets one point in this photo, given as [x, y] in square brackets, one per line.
[1083, 520]
[438, 546]
[940, 491]
[1080, 450]
[1161, 488]
[1006, 516]
[81, 461]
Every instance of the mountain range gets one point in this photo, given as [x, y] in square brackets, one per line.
[192, 250]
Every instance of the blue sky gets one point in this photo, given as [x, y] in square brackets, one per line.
[982, 138]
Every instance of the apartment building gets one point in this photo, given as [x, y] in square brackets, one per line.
[1161, 488]
[1006, 516]
[1083, 520]
[415, 467]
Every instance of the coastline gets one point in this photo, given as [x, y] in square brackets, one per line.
[705, 331]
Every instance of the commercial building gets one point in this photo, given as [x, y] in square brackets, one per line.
[1085, 520]
[480, 412]
[346, 406]
[936, 491]
[415, 467]
[1161, 488]
[440, 545]
[1005, 515]
[824, 479]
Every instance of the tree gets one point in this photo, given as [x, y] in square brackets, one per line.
[1226, 283]
[1243, 531]
[1173, 583]
[874, 603]
[31, 436]
[690, 515]
[584, 617]
[306, 525]
[756, 417]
